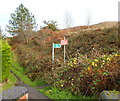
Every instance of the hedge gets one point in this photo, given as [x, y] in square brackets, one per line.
[6, 59]
[0, 60]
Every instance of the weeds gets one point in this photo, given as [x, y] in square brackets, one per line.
[91, 63]
[98, 74]
[57, 94]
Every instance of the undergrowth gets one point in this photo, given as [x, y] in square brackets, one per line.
[20, 72]
[88, 76]
[11, 81]
[57, 94]
[87, 71]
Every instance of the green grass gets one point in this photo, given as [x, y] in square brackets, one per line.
[20, 72]
[26, 80]
[15, 64]
[0, 60]
[0, 73]
[23, 77]
[55, 93]
[12, 80]
[39, 83]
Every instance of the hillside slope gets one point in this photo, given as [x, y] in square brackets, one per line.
[36, 56]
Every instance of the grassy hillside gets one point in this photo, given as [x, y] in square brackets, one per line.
[36, 55]
[84, 46]
[105, 41]
[20, 73]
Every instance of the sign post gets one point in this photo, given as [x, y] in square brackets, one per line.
[57, 45]
[53, 52]
[64, 42]
[64, 52]
[54, 46]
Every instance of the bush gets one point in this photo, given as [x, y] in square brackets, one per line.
[79, 74]
[36, 64]
[0, 61]
[89, 76]
[6, 60]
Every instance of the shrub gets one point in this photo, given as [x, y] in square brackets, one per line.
[36, 63]
[81, 74]
[6, 60]
[0, 60]
[100, 73]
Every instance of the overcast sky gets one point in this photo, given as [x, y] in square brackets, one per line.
[79, 10]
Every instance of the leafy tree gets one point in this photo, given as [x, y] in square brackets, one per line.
[21, 21]
[51, 24]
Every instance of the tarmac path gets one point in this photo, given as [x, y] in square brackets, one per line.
[33, 93]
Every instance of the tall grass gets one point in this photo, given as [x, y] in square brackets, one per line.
[20, 73]
[57, 94]
[12, 80]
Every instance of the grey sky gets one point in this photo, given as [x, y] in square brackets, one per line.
[99, 10]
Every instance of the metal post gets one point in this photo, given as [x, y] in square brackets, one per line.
[53, 52]
[52, 56]
[64, 52]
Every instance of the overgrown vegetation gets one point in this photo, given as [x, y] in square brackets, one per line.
[7, 79]
[92, 60]
[0, 60]
[20, 73]
[92, 56]
[6, 60]
[91, 76]
[56, 94]
[12, 81]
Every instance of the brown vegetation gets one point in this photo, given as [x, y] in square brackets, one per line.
[36, 58]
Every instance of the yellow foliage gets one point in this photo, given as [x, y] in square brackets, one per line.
[96, 60]
[61, 85]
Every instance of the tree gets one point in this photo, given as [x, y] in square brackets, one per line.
[51, 24]
[68, 19]
[88, 17]
[88, 20]
[21, 21]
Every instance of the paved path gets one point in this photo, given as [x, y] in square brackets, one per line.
[34, 94]
[39, 87]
